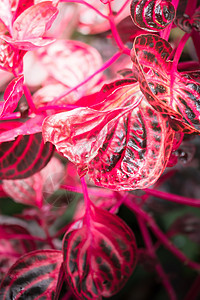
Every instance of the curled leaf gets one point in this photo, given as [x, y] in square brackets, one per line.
[152, 15]
[99, 255]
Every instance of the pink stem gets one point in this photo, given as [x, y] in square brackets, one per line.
[87, 201]
[173, 198]
[93, 191]
[190, 8]
[118, 204]
[29, 99]
[88, 5]
[115, 33]
[160, 235]
[159, 269]
[104, 66]
[194, 291]
[175, 63]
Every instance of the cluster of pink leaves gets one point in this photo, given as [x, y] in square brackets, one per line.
[121, 132]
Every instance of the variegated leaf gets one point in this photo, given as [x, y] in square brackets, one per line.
[123, 143]
[24, 156]
[167, 90]
[152, 15]
[12, 94]
[33, 276]
[33, 189]
[99, 254]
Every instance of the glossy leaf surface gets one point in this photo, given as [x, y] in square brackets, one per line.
[11, 59]
[167, 90]
[24, 156]
[99, 254]
[152, 15]
[33, 276]
[123, 143]
[30, 26]
[12, 94]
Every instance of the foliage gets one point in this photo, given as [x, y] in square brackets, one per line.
[100, 115]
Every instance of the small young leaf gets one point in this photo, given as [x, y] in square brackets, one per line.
[24, 156]
[152, 15]
[99, 255]
[31, 25]
[33, 276]
[12, 94]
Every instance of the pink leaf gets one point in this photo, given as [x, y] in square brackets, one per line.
[34, 21]
[11, 59]
[122, 142]
[99, 254]
[24, 156]
[12, 94]
[34, 189]
[167, 90]
[79, 133]
[33, 275]
[31, 25]
[14, 242]
[71, 62]
[152, 15]
[7, 9]
[12, 129]
[106, 1]
[91, 23]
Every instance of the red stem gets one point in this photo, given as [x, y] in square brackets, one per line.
[104, 66]
[115, 33]
[158, 267]
[88, 5]
[29, 99]
[194, 290]
[160, 235]
[173, 198]
[190, 8]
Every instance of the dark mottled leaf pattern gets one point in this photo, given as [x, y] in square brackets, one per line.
[122, 142]
[99, 254]
[33, 276]
[24, 156]
[152, 15]
[135, 151]
[167, 90]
